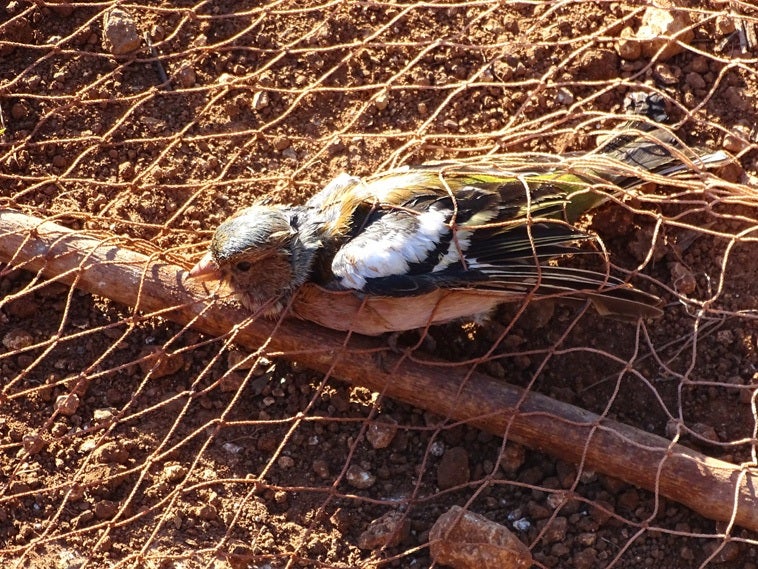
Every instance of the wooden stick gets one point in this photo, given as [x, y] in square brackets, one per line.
[714, 488]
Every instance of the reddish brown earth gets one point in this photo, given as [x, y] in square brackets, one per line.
[278, 468]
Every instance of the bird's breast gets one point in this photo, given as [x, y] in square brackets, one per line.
[374, 315]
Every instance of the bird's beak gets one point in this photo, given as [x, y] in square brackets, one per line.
[206, 269]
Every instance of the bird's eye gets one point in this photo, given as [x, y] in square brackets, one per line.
[243, 266]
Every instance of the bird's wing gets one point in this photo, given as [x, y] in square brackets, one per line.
[467, 233]
[419, 232]
[481, 231]
[334, 191]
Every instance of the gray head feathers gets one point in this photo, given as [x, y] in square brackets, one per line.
[254, 228]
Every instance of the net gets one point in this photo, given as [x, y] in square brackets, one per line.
[146, 422]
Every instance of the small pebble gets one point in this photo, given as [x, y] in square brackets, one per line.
[437, 448]
[160, 364]
[564, 96]
[105, 509]
[729, 553]
[556, 530]
[704, 431]
[260, 100]
[725, 337]
[682, 279]
[230, 382]
[512, 458]
[185, 76]
[737, 140]
[126, 171]
[174, 473]
[585, 559]
[321, 468]
[699, 64]
[359, 478]
[686, 553]
[601, 511]
[660, 28]
[17, 339]
[522, 524]
[281, 142]
[19, 111]
[465, 540]
[627, 46]
[268, 401]
[267, 442]
[695, 80]
[736, 98]
[566, 473]
[382, 101]
[110, 452]
[103, 415]
[33, 443]
[206, 512]
[59, 161]
[289, 154]
[453, 469]
[120, 34]
[387, 531]
[381, 433]
[67, 404]
[285, 462]
[666, 74]
[335, 146]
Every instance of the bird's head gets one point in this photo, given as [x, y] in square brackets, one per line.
[254, 251]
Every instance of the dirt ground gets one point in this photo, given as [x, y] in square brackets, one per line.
[108, 459]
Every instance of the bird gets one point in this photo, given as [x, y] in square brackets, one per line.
[443, 241]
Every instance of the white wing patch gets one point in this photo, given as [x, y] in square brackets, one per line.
[388, 246]
[459, 244]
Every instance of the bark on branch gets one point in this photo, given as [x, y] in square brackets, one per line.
[716, 489]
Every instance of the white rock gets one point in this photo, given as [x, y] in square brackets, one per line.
[382, 101]
[661, 29]
[260, 100]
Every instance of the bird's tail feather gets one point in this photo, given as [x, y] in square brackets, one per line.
[657, 151]
[609, 296]
[627, 309]
[626, 160]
